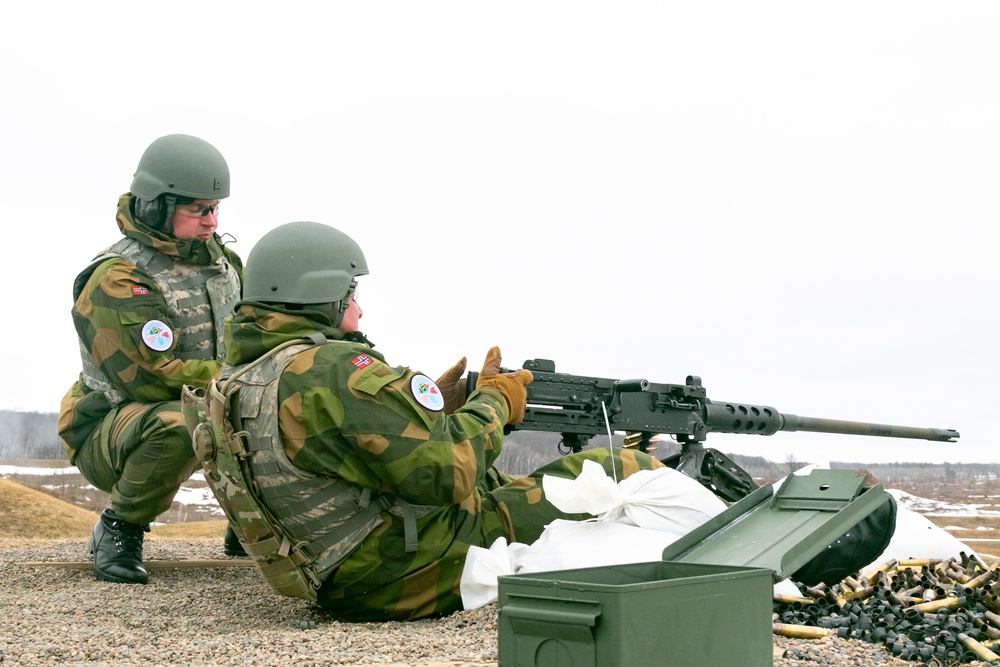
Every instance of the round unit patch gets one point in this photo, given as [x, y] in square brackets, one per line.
[157, 335]
[427, 393]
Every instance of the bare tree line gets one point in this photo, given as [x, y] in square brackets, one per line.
[33, 435]
[29, 435]
[525, 452]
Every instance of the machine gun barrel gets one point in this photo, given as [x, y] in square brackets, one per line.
[723, 417]
[818, 425]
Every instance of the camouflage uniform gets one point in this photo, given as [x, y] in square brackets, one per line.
[342, 412]
[121, 422]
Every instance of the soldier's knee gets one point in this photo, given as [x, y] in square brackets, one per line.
[166, 416]
[165, 422]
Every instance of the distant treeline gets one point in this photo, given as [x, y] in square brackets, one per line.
[526, 451]
[33, 435]
[29, 435]
[888, 473]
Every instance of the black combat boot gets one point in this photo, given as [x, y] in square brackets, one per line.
[117, 548]
[231, 546]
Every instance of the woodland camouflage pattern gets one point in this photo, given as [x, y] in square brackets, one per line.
[343, 417]
[113, 300]
[321, 518]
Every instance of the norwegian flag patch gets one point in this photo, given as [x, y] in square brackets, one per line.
[362, 360]
[139, 290]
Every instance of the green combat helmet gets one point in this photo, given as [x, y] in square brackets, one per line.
[304, 265]
[177, 169]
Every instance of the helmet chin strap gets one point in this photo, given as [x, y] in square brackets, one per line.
[333, 309]
[339, 308]
[169, 206]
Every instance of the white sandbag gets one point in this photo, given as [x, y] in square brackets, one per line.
[568, 545]
[661, 499]
[482, 567]
[639, 518]
[787, 587]
[592, 492]
[664, 500]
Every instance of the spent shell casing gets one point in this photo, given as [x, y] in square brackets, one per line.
[801, 631]
[977, 648]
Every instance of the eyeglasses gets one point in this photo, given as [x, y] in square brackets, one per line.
[198, 210]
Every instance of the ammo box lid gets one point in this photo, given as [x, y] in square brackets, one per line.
[781, 531]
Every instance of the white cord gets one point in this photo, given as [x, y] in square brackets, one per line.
[607, 422]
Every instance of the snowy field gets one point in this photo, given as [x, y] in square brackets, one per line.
[202, 495]
[929, 507]
[195, 494]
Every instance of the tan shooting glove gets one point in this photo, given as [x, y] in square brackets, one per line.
[453, 387]
[511, 385]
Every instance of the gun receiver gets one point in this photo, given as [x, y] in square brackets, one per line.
[574, 406]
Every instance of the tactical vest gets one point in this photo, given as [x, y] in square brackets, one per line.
[297, 526]
[198, 297]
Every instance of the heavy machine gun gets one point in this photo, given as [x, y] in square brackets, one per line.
[579, 408]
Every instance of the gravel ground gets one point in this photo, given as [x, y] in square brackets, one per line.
[229, 616]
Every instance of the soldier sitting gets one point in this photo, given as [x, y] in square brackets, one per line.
[379, 477]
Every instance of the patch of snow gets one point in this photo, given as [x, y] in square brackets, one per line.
[6, 471]
[203, 496]
[929, 507]
[63, 486]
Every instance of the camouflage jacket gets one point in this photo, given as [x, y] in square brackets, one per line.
[346, 413]
[146, 280]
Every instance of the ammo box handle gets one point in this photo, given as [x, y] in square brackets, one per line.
[541, 632]
[583, 617]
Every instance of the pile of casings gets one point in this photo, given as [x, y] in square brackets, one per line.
[922, 610]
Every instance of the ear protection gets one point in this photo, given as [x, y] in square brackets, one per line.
[158, 213]
[151, 212]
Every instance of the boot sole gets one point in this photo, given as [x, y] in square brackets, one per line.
[116, 580]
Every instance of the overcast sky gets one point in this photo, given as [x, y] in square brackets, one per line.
[796, 201]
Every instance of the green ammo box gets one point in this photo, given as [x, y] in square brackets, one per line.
[707, 603]
[638, 615]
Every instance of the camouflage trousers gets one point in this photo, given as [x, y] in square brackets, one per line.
[141, 454]
[380, 581]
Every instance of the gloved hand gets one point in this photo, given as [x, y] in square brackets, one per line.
[511, 385]
[453, 387]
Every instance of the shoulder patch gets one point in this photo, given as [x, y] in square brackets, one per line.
[157, 335]
[426, 393]
[139, 289]
[371, 378]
